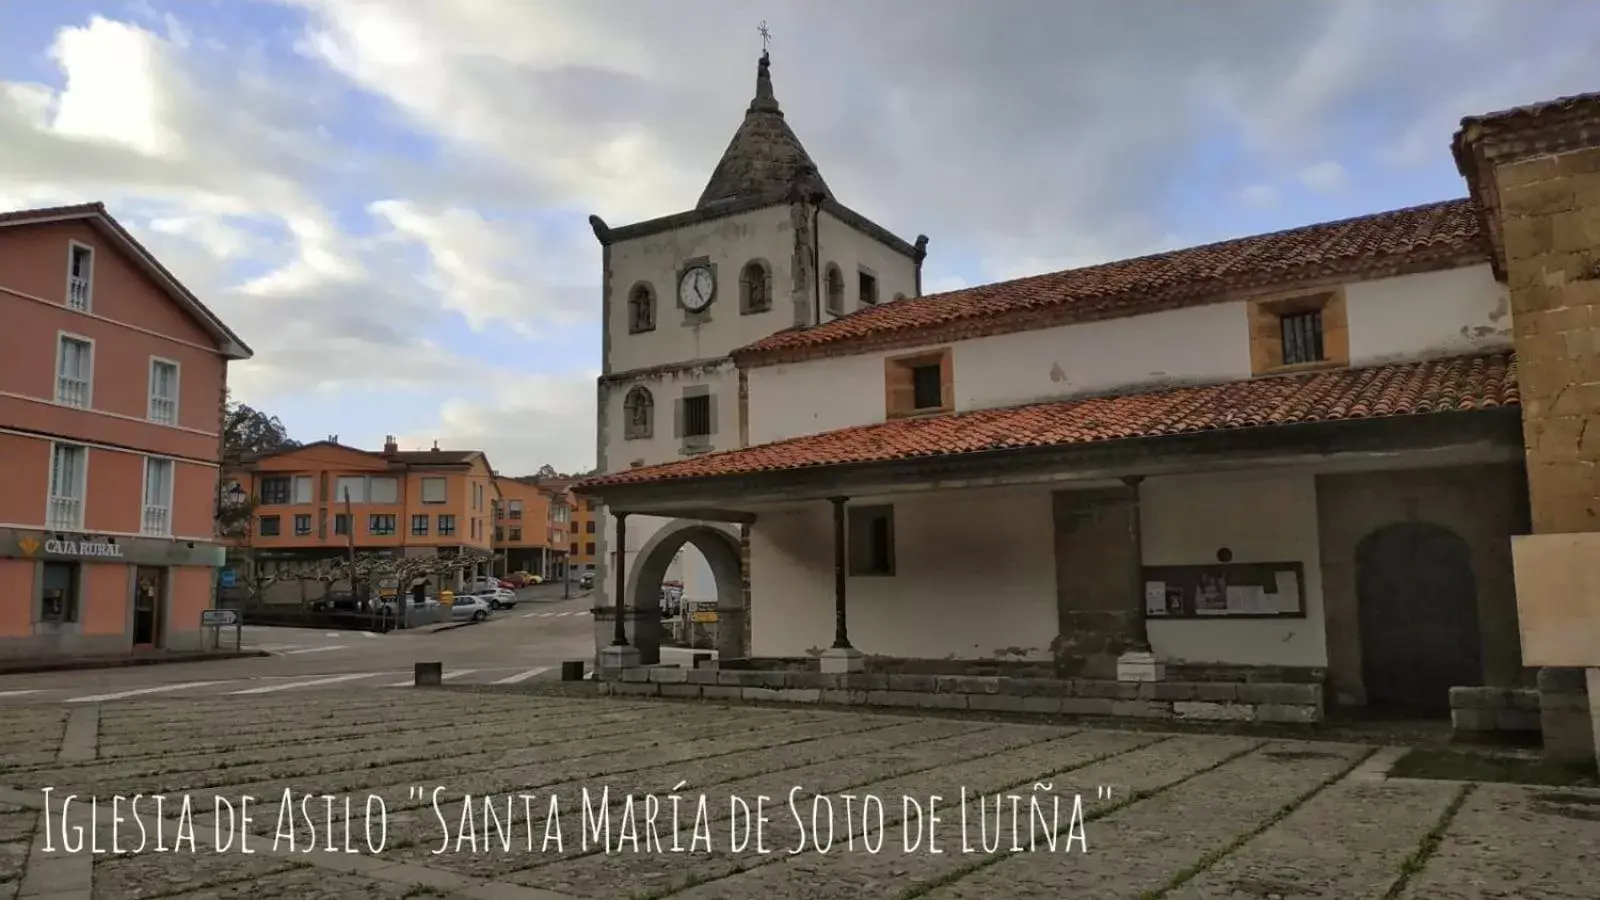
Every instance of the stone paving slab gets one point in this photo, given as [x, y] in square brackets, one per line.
[1311, 853]
[1515, 842]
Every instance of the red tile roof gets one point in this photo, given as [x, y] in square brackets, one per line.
[1412, 239]
[1400, 389]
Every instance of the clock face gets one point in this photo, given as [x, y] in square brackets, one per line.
[696, 288]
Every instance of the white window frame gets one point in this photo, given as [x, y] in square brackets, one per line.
[177, 379]
[164, 529]
[88, 392]
[88, 289]
[444, 488]
[294, 489]
[82, 488]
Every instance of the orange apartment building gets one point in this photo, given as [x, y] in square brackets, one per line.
[521, 539]
[317, 501]
[111, 404]
[581, 549]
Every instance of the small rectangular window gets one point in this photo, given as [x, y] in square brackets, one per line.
[69, 476]
[588, 549]
[270, 526]
[302, 525]
[516, 535]
[697, 416]
[58, 595]
[419, 524]
[574, 549]
[157, 514]
[163, 391]
[869, 289]
[74, 371]
[275, 490]
[434, 490]
[341, 524]
[926, 387]
[80, 277]
[382, 525]
[351, 488]
[302, 489]
[516, 509]
[1302, 338]
[871, 540]
[447, 525]
[588, 527]
[383, 490]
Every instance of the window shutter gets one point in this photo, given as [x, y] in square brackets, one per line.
[711, 414]
[677, 417]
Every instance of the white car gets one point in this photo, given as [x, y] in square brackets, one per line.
[474, 607]
[497, 598]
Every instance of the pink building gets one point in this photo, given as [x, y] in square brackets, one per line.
[111, 403]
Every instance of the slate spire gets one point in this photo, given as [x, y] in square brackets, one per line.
[765, 157]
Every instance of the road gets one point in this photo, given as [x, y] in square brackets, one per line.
[517, 645]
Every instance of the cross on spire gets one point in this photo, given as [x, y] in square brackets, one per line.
[766, 36]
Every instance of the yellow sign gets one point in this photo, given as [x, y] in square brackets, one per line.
[29, 546]
[706, 616]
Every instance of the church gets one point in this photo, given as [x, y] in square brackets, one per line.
[1296, 458]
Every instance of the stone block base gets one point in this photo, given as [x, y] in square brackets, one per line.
[840, 660]
[1134, 666]
[1565, 715]
[616, 659]
[1477, 713]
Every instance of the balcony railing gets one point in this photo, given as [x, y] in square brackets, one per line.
[72, 391]
[66, 513]
[157, 521]
[163, 410]
[78, 293]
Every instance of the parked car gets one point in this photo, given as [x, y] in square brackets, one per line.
[586, 580]
[470, 606]
[336, 601]
[525, 578]
[388, 606]
[499, 598]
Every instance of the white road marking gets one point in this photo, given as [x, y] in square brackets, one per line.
[313, 650]
[23, 693]
[159, 689]
[522, 676]
[368, 634]
[333, 634]
[448, 676]
[312, 682]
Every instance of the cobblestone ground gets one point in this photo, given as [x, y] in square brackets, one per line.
[996, 810]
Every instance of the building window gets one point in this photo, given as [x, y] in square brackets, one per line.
[755, 288]
[80, 277]
[574, 549]
[516, 509]
[472, 529]
[447, 525]
[871, 540]
[69, 481]
[275, 490]
[341, 524]
[74, 371]
[641, 309]
[588, 549]
[919, 384]
[588, 527]
[434, 490]
[157, 519]
[383, 490]
[163, 391]
[1302, 337]
[419, 524]
[381, 525]
[697, 416]
[835, 291]
[270, 526]
[868, 284]
[639, 410]
[58, 597]
[302, 525]
[516, 535]
[303, 485]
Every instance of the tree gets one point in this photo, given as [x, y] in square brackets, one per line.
[248, 431]
[546, 472]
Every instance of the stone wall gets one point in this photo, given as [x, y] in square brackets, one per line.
[1564, 714]
[1480, 712]
[1299, 704]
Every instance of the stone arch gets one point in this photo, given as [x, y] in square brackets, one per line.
[641, 308]
[721, 551]
[1417, 603]
[835, 286]
[639, 413]
[755, 287]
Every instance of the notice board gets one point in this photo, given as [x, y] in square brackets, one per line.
[1271, 590]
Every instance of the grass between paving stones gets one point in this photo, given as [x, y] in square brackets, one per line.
[1429, 844]
[1189, 873]
[1133, 797]
[1480, 766]
[694, 880]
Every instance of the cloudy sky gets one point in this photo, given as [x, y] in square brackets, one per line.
[386, 198]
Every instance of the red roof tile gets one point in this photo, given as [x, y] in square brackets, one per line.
[1421, 236]
[1463, 383]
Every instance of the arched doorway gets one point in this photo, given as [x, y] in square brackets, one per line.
[1418, 603]
[721, 552]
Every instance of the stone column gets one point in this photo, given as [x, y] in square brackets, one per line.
[1138, 662]
[841, 657]
[619, 655]
[1536, 175]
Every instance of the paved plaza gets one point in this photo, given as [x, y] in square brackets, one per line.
[1181, 816]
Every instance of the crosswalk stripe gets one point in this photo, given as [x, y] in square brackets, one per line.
[159, 689]
[522, 676]
[23, 693]
[313, 650]
[333, 634]
[313, 682]
[368, 634]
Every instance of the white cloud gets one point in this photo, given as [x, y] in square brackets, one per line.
[1258, 196]
[547, 419]
[1325, 177]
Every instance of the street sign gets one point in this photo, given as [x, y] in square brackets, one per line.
[217, 618]
[703, 612]
[227, 578]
